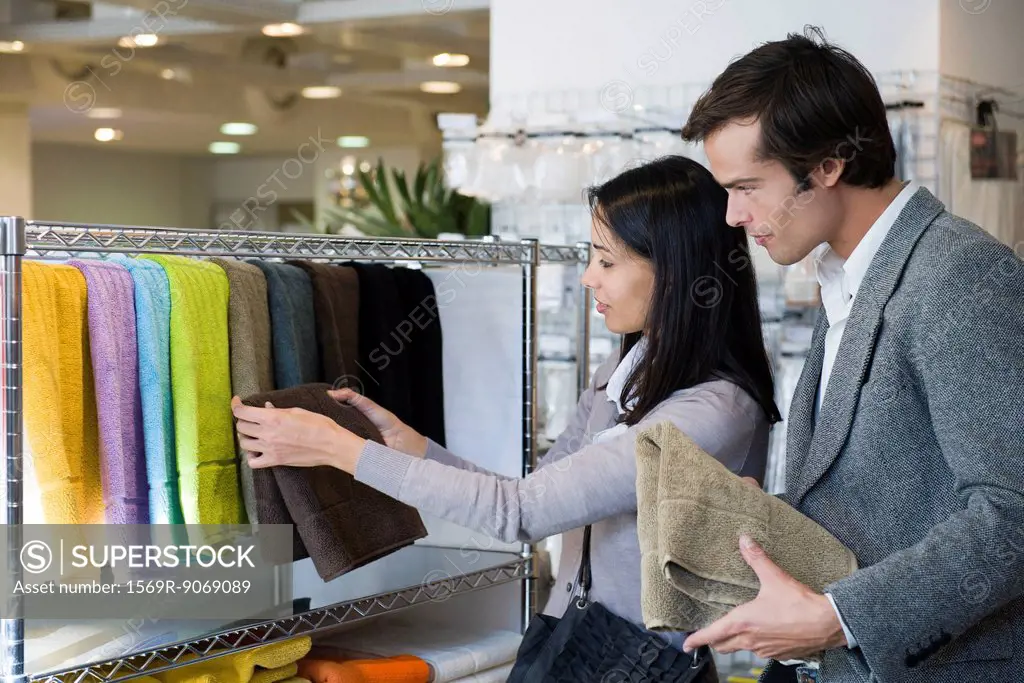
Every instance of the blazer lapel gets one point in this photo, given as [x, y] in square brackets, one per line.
[800, 418]
[857, 347]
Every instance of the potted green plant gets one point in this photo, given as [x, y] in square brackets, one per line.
[423, 208]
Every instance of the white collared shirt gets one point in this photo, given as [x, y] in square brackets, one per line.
[840, 280]
[616, 384]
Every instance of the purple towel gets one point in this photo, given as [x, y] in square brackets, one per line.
[114, 352]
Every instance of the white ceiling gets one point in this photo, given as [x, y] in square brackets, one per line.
[377, 51]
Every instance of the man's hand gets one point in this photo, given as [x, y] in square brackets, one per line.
[787, 620]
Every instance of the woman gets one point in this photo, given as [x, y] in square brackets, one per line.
[670, 275]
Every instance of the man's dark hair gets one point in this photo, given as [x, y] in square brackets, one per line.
[814, 101]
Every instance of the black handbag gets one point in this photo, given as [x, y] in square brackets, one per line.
[590, 644]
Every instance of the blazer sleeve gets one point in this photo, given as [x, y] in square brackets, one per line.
[969, 359]
[591, 484]
[569, 441]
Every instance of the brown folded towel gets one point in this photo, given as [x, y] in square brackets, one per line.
[691, 512]
[336, 309]
[343, 523]
[252, 364]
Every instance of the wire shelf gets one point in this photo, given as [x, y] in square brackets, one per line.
[63, 240]
[227, 642]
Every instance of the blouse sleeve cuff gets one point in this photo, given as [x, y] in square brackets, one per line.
[382, 468]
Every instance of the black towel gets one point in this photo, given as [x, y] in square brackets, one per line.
[336, 307]
[424, 344]
[384, 359]
[343, 523]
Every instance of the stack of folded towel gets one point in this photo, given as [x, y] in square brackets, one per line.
[452, 655]
[270, 663]
[691, 512]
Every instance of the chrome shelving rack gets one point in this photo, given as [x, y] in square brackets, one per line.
[21, 239]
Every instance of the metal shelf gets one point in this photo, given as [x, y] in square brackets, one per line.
[63, 240]
[500, 568]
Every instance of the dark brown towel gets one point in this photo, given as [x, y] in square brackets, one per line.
[336, 307]
[343, 523]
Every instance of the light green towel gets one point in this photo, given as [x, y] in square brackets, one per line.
[201, 391]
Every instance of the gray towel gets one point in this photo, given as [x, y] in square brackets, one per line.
[252, 363]
[293, 324]
[691, 512]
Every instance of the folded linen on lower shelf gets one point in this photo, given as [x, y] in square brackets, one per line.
[399, 669]
[498, 674]
[452, 654]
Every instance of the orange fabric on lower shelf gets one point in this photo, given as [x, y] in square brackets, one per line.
[399, 669]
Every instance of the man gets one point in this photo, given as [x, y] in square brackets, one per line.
[906, 430]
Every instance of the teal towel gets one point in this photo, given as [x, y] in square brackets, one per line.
[293, 324]
[153, 331]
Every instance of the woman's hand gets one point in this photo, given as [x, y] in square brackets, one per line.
[397, 434]
[292, 436]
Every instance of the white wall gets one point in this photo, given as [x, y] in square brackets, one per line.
[980, 40]
[16, 166]
[89, 185]
[538, 45]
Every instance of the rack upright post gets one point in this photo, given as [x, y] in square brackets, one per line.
[12, 250]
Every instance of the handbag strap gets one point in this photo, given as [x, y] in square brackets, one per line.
[583, 577]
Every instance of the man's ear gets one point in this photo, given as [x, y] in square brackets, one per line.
[829, 172]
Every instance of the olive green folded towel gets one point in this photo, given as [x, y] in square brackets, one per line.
[691, 512]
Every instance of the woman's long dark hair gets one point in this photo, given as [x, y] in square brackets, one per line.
[704, 321]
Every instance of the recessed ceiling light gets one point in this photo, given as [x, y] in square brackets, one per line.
[224, 147]
[141, 40]
[283, 30]
[11, 46]
[449, 59]
[321, 92]
[167, 74]
[365, 166]
[238, 128]
[104, 113]
[107, 134]
[440, 87]
[353, 141]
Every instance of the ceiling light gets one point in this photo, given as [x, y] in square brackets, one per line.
[141, 40]
[365, 166]
[108, 134]
[449, 59]
[440, 87]
[284, 30]
[238, 128]
[353, 141]
[104, 113]
[224, 147]
[167, 74]
[11, 46]
[321, 92]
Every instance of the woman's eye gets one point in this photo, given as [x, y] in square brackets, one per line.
[605, 264]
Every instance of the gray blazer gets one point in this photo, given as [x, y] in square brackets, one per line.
[916, 462]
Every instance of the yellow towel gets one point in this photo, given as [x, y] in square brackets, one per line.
[59, 399]
[276, 674]
[245, 666]
[201, 392]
